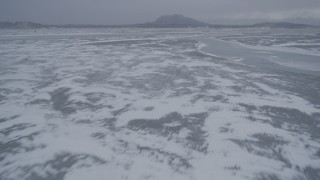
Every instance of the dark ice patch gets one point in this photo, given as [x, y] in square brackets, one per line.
[159, 125]
[209, 98]
[249, 108]
[60, 102]
[207, 86]
[6, 92]
[58, 167]
[171, 124]
[226, 129]
[39, 102]
[182, 72]
[182, 91]
[59, 99]
[2, 98]
[49, 77]
[261, 120]
[176, 162]
[9, 118]
[152, 82]
[109, 123]
[295, 120]
[312, 173]
[233, 168]
[165, 78]
[30, 61]
[122, 110]
[97, 96]
[266, 145]
[98, 76]
[20, 144]
[83, 121]
[267, 176]
[16, 127]
[318, 153]
[98, 135]
[150, 108]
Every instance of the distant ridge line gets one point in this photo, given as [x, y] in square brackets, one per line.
[167, 21]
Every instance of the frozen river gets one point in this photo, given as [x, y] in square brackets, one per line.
[138, 104]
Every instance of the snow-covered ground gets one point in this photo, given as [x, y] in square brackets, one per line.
[154, 104]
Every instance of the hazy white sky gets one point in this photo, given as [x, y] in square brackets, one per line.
[140, 11]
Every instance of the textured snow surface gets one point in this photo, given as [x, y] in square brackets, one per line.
[149, 104]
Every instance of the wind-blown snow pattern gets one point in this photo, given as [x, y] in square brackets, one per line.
[138, 104]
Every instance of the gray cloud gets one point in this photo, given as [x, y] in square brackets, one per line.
[138, 11]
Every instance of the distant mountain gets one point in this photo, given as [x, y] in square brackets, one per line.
[176, 20]
[168, 21]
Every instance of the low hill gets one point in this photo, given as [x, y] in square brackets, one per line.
[176, 20]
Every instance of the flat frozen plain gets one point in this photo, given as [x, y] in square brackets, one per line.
[159, 104]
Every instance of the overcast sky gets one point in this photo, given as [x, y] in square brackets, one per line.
[140, 11]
